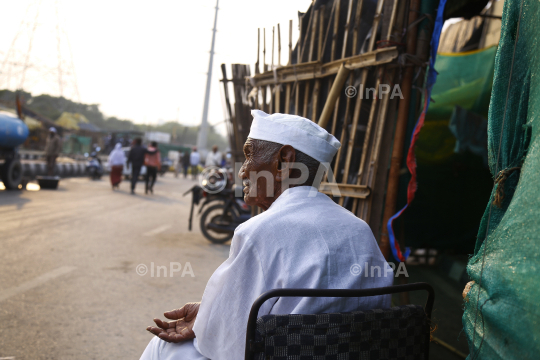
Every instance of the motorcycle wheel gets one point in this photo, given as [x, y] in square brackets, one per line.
[214, 214]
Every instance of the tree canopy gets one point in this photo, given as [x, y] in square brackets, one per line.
[53, 107]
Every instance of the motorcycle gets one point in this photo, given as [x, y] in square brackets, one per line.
[94, 167]
[223, 212]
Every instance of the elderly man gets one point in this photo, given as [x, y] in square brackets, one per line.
[302, 240]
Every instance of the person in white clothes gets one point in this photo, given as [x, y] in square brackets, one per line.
[213, 158]
[194, 160]
[303, 239]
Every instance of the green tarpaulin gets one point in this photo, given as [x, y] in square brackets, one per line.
[502, 315]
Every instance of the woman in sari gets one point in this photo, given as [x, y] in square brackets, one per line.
[117, 158]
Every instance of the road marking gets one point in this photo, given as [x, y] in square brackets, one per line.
[158, 230]
[36, 282]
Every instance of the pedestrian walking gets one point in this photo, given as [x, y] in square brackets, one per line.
[194, 160]
[53, 147]
[213, 158]
[152, 161]
[136, 161]
[116, 161]
[185, 163]
[178, 164]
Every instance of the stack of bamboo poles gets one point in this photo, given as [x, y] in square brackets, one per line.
[238, 116]
[345, 48]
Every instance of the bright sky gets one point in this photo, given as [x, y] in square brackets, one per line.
[144, 61]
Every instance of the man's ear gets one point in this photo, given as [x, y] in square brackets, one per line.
[286, 157]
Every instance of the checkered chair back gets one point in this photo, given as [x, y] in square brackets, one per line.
[397, 333]
[402, 332]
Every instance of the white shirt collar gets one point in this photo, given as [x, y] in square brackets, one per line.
[296, 192]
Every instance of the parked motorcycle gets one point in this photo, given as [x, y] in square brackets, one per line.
[94, 168]
[223, 212]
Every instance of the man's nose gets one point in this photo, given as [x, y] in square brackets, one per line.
[242, 171]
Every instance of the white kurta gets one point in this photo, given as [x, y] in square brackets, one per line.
[213, 159]
[304, 240]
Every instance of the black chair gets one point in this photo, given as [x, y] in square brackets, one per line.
[402, 332]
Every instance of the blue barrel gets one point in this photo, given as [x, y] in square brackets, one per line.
[13, 131]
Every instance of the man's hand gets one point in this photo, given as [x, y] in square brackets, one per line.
[181, 329]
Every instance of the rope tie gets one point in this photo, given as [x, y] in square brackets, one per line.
[499, 181]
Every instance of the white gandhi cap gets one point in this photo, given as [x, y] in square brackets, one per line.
[300, 133]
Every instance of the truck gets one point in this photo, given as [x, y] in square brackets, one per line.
[13, 132]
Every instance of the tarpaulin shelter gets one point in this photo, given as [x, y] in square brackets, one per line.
[76, 144]
[451, 153]
[165, 148]
[71, 120]
[502, 316]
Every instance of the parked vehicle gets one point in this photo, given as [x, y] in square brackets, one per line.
[94, 168]
[223, 212]
[165, 166]
[13, 132]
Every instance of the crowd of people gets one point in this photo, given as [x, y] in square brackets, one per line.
[150, 157]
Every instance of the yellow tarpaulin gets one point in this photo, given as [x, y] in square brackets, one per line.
[71, 120]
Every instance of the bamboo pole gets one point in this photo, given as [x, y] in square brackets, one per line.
[237, 143]
[300, 42]
[273, 38]
[264, 49]
[376, 20]
[264, 107]
[400, 132]
[290, 42]
[348, 102]
[313, 34]
[342, 140]
[321, 33]
[307, 88]
[288, 99]
[288, 87]
[392, 20]
[368, 131]
[317, 87]
[277, 88]
[336, 29]
[347, 25]
[334, 120]
[257, 64]
[356, 25]
[337, 86]
[277, 98]
[296, 101]
[279, 44]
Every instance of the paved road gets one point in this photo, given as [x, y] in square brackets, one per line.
[69, 287]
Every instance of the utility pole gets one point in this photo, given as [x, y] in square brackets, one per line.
[202, 139]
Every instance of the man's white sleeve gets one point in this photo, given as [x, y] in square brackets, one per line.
[222, 319]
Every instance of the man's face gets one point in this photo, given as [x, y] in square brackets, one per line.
[256, 175]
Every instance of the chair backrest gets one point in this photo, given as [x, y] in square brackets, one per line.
[401, 332]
